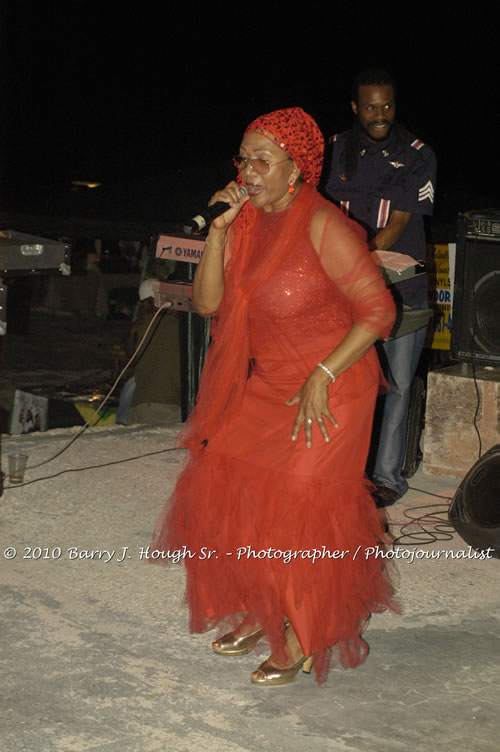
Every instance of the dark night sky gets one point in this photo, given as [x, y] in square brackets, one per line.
[101, 92]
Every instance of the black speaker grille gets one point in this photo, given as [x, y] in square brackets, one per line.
[483, 490]
[485, 327]
[475, 509]
[476, 298]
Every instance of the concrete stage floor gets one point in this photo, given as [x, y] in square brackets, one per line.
[97, 656]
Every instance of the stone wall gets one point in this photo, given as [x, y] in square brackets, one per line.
[451, 442]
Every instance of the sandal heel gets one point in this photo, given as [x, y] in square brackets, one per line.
[308, 664]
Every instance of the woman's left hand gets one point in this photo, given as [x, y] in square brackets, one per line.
[313, 405]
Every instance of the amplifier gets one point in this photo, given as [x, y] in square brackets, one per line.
[22, 254]
[476, 299]
[484, 224]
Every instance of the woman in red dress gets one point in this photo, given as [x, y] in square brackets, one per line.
[273, 504]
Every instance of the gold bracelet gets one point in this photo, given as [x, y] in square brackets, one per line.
[215, 247]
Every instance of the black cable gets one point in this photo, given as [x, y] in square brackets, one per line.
[429, 493]
[476, 413]
[442, 529]
[473, 364]
[166, 304]
[407, 538]
[91, 467]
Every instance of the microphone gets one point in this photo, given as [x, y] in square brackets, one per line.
[200, 221]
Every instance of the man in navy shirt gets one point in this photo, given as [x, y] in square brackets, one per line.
[384, 177]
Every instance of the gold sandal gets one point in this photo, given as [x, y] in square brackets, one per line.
[232, 644]
[270, 675]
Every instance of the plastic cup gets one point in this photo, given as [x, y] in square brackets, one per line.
[17, 467]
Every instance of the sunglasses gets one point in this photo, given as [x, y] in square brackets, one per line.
[260, 166]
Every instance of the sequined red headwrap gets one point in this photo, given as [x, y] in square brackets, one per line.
[298, 134]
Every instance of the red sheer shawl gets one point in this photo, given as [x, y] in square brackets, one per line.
[225, 372]
[344, 258]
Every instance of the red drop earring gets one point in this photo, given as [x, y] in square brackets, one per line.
[291, 189]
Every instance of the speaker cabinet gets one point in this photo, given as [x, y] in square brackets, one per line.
[475, 509]
[476, 296]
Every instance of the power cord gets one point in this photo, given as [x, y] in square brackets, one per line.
[476, 413]
[473, 351]
[90, 467]
[166, 304]
[429, 493]
[442, 529]
[473, 364]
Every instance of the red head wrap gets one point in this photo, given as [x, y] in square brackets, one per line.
[298, 134]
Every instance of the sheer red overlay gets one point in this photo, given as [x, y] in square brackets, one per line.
[295, 529]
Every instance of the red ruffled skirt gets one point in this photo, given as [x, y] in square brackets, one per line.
[273, 529]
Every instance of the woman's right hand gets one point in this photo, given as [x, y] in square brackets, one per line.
[231, 195]
[208, 283]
